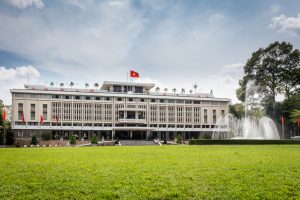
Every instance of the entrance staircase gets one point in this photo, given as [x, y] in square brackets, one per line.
[137, 143]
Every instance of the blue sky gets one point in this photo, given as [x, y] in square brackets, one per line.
[171, 43]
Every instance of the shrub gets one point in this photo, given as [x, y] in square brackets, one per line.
[179, 139]
[9, 136]
[94, 139]
[34, 140]
[241, 142]
[206, 136]
[73, 139]
[47, 135]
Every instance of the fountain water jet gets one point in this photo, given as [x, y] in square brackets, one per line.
[255, 125]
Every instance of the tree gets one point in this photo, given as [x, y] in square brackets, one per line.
[34, 140]
[96, 85]
[2, 124]
[182, 90]
[9, 136]
[174, 90]
[86, 85]
[237, 110]
[157, 89]
[51, 84]
[268, 68]
[195, 86]
[61, 85]
[94, 139]
[73, 139]
[166, 90]
[191, 91]
[71, 84]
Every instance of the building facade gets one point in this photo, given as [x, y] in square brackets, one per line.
[117, 110]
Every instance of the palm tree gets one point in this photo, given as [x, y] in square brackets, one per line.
[166, 90]
[195, 87]
[61, 85]
[96, 85]
[191, 91]
[86, 85]
[71, 84]
[182, 90]
[174, 90]
[157, 89]
[51, 84]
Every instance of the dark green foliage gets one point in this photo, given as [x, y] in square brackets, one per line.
[34, 140]
[237, 110]
[9, 136]
[2, 124]
[206, 136]
[179, 139]
[73, 139]
[94, 139]
[241, 142]
[47, 135]
[275, 70]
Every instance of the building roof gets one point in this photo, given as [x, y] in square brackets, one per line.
[106, 84]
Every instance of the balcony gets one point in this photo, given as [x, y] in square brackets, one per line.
[132, 121]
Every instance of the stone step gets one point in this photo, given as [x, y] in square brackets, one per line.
[137, 143]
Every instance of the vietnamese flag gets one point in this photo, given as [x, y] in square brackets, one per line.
[299, 121]
[41, 119]
[23, 118]
[134, 74]
[4, 115]
[282, 120]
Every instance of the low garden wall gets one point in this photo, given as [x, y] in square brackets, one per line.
[240, 142]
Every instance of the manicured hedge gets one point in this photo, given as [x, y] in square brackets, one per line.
[241, 142]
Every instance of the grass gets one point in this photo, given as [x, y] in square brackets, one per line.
[166, 172]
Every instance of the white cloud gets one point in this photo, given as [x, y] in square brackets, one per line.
[22, 4]
[283, 23]
[274, 9]
[225, 82]
[15, 78]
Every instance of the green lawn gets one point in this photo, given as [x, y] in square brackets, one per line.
[155, 172]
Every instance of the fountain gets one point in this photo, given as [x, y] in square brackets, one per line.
[255, 125]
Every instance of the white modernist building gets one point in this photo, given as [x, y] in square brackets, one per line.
[117, 110]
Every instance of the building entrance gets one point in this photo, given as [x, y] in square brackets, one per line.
[131, 135]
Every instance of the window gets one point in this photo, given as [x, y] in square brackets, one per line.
[32, 115]
[130, 115]
[119, 99]
[45, 111]
[142, 100]
[205, 116]
[171, 101]
[130, 99]
[117, 88]
[152, 100]
[107, 98]
[87, 98]
[98, 98]
[223, 113]
[188, 102]
[162, 101]
[214, 116]
[67, 97]
[179, 101]
[197, 102]
[20, 111]
[138, 89]
[55, 96]
[32, 111]
[77, 97]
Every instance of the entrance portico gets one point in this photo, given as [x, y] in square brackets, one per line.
[133, 133]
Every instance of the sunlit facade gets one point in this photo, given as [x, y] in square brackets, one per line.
[120, 110]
